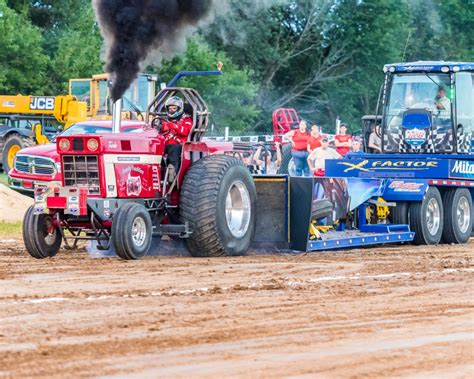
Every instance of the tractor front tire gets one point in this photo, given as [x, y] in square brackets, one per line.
[39, 241]
[427, 218]
[132, 231]
[458, 214]
[12, 146]
[219, 203]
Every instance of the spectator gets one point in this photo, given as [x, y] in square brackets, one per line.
[355, 147]
[343, 141]
[247, 159]
[319, 155]
[264, 159]
[314, 140]
[299, 152]
[375, 141]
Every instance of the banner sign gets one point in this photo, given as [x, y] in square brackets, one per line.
[461, 169]
[387, 168]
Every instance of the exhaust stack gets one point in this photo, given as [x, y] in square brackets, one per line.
[117, 116]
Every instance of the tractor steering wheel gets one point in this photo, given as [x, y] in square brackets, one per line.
[157, 122]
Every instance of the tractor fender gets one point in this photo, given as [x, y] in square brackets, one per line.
[6, 131]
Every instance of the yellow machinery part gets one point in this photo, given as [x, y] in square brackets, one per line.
[314, 233]
[382, 210]
[369, 213]
[41, 139]
[316, 230]
[11, 154]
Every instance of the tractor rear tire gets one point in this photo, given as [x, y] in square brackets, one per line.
[219, 203]
[427, 218]
[458, 216]
[399, 213]
[38, 242]
[12, 146]
[132, 231]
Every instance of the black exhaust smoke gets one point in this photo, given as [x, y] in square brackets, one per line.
[134, 28]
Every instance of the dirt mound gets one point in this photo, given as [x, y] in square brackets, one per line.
[12, 204]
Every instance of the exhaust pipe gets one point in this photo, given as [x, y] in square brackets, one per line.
[117, 116]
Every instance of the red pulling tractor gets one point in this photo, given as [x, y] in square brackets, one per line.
[116, 191]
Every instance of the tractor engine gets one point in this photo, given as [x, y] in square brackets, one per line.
[113, 166]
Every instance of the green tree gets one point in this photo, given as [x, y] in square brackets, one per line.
[22, 61]
[79, 50]
[231, 97]
[441, 30]
[374, 32]
[51, 16]
[289, 49]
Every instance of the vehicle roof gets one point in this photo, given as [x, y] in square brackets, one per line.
[108, 123]
[429, 66]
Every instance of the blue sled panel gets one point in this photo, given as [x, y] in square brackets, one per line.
[359, 240]
[384, 228]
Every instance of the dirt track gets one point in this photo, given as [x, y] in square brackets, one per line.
[401, 311]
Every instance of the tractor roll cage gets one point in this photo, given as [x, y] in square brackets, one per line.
[200, 113]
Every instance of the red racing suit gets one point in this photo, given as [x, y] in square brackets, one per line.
[177, 132]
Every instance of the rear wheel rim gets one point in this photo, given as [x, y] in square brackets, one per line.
[49, 231]
[463, 214]
[139, 232]
[433, 216]
[11, 154]
[238, 209]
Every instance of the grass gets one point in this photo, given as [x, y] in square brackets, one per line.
[10, 230]
[4, 179]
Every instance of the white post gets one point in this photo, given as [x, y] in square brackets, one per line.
[117, 116]
[226, 133]
[338, 125]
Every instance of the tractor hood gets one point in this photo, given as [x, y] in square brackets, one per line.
[48, 151]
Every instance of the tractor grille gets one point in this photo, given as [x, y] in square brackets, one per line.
[82, 170]
[34, 165]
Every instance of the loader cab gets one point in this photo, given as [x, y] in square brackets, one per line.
[95, 91]
[428, 108]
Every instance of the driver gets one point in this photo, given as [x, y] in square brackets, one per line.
[443, 104]
[176, 131]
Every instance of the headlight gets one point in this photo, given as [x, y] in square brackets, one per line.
[64, 145]
[92, 144]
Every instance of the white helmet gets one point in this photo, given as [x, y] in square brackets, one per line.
[177, 102]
